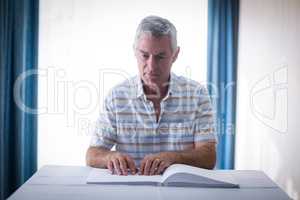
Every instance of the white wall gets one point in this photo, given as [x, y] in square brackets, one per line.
[268, 91]
[78, 39]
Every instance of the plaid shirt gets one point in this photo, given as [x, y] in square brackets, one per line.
[129, 120]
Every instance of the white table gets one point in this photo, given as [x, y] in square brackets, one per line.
[69, 182]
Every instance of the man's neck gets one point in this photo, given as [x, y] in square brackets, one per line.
[155, 93]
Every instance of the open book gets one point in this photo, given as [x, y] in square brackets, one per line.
[176, 175]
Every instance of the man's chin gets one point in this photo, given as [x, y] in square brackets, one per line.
[152, 83]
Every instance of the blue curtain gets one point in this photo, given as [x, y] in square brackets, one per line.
[222, 70]
[18, 125]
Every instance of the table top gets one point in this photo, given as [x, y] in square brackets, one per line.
[69, 182]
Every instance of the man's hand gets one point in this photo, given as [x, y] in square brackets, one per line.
[120, 163]
[155, 164]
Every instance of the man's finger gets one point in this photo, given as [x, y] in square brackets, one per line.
[142, 166]
[117, 166]
[154, 166]
[123, 165]
[161, 168]
[131, 165]
[147, 167]
[110, 166]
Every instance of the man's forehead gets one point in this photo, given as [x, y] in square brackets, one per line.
[152, 36]
[159, 52]
[148, 42]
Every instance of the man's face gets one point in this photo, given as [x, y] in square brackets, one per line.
[155, 58]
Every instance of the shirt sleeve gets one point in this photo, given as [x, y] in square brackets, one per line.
[105, 133]
[204, 124]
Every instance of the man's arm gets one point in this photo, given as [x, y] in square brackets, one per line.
[100, 157]
[203, 155]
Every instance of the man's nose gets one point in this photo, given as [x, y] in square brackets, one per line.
[151, 62]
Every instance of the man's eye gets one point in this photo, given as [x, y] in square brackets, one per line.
[145, 56]
[160, 57]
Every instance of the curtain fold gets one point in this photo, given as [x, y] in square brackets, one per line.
[221, 74]
[18, 93]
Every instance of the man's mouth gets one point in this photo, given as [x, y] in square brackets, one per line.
[152, 74]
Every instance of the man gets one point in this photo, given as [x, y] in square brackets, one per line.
[157, 118]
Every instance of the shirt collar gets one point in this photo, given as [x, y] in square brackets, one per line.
[171, 88]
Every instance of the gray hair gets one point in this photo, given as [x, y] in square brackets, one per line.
[157, 27]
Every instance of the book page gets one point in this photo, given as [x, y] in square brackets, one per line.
[104, 176]
[209, 174]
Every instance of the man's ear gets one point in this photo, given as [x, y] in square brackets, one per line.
[175, 54]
